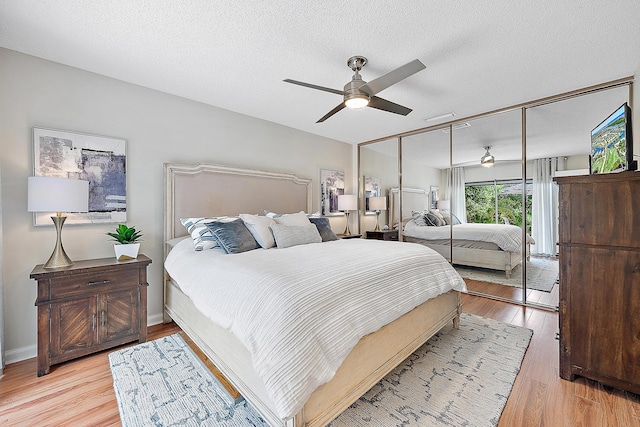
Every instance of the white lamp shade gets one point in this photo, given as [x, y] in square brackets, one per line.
[378, 203]
[347, 202]
[47, 194]
[444, 205]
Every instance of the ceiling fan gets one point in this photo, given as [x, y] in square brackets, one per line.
[359, 94]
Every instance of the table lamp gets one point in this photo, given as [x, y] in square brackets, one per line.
[346, 203]
[47, 194]
[443, 205]
[377, 204]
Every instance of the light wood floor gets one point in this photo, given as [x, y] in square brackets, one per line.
[80, 392]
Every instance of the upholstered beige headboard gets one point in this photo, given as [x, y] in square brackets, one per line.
[413, 199]
[209, 190]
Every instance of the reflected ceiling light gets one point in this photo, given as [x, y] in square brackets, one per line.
[457, 126]
[487, 160]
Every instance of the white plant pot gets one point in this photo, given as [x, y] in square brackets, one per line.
[125, 252]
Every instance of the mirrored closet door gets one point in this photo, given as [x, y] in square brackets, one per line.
[487, 173]
[378, 170]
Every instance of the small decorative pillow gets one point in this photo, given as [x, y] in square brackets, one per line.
[434, 219]
[298, 219]
[293, 235]
[259, 227]
[201, 235]
[233, 236]
[420, 218]
[447, 218]
[324, 228]
[270, 214]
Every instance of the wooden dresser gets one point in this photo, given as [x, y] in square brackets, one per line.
[599, 307]
[91, 306]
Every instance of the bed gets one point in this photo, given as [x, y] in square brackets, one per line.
[491, 246]
[208, 190]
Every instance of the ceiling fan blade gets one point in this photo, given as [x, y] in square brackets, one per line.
[392, 107]
[331, 113]
[392, 77]
[326, 89]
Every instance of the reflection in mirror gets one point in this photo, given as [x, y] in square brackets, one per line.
[378, 174]
[558, 144]
[425, 207]
[485, 193]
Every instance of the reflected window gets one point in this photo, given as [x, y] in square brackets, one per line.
[498, 202]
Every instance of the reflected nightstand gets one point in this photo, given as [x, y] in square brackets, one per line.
[383, 235]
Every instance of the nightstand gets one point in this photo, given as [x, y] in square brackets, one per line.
[383, 235]
[350, 236]
[88, 307]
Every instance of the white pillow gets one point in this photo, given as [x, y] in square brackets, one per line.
[292, 235]
[294, 219]
[259, 228]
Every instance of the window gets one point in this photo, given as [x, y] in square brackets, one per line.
[498, 202]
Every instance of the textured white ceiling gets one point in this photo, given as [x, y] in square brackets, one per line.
[480, 55]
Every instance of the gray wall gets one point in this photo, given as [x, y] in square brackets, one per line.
[158, 128]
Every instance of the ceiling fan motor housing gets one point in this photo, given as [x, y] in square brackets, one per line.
[353, 94]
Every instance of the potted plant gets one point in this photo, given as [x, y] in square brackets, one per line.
[127, 246]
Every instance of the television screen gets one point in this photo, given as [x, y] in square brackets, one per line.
[611, 145]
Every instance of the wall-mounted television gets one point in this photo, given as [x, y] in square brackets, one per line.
[612, 143]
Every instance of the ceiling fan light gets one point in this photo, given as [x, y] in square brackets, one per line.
[355, 101]
[487, 160]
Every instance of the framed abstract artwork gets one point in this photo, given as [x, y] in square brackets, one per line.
[372, 188]
[331, 186]
[101, 160]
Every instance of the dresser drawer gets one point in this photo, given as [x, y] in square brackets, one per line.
[78, 284]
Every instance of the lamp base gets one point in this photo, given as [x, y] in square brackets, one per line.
[377, 223]
[58, 258]
[347, 231]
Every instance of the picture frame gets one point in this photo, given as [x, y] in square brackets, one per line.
[101, 160]
[433, 196]
[372, 188]
[331, 186]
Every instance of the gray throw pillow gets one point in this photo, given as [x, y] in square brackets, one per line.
[324, 228]
[292, 235]
[233, 236]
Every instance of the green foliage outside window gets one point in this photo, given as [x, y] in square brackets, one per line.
[480, 200]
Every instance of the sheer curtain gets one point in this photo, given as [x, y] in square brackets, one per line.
[455, 193]
[544, 208]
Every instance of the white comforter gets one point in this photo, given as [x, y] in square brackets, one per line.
[300, 310]
[507, 237]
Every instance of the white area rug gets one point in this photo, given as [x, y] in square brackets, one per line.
[459, 377]
[542, 274]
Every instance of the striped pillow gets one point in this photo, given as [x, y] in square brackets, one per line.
[201, 235]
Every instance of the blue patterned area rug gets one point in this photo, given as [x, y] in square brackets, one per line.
[459, 377]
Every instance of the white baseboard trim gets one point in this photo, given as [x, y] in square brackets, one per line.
[24, 353]
[19, 354]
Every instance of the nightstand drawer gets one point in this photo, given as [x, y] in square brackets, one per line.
[62, 287]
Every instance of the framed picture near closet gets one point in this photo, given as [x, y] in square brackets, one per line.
[331, 186]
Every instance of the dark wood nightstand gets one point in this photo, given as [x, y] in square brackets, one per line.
[383, 235]
[88, 307]
[350, 236]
